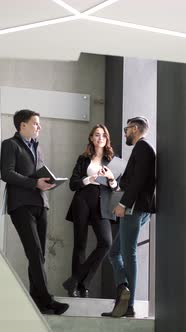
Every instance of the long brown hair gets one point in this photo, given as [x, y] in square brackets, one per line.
[90, 150]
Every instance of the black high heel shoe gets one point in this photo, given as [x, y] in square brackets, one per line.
[71, 285]
[84, 292]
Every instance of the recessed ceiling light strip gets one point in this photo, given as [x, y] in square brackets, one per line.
[94, 19]
[99, 7]
[38, 24]
[134, 26]
[66, 6]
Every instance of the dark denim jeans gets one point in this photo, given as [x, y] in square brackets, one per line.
[123, 252]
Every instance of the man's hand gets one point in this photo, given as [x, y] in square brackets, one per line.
[119, 211]
[43, 185]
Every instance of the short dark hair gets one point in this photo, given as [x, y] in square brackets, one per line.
[141, 121]
[23, 116]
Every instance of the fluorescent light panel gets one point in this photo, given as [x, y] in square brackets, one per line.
[38, 24]
[134, 26]
[66, 6]
[99, 7]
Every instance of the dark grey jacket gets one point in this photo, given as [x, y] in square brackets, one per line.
[76, 184]
[18, 170]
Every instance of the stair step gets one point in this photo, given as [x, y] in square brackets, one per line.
[84, 315]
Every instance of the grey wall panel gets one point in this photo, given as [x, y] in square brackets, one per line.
[50, 104]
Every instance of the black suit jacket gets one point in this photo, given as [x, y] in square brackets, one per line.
[138, 180]
[76, 184]
[18, 170]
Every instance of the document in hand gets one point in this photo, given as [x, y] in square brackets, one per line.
[117, 167]
[44, 172]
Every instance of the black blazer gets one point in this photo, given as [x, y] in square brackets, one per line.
[138, 180]
[76, 184]
[18, 170]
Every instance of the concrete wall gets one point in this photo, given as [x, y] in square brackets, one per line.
[62, 141]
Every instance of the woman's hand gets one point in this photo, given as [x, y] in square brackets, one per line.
[105, 171]
[90, 179]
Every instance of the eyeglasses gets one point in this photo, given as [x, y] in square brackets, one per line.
[126, 128]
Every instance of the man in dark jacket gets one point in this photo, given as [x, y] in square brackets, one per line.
[28, 204]
[138, 185]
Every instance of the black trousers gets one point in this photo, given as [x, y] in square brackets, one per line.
[86, 210]
[31, 225]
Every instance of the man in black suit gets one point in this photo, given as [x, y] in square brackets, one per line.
[28, 204]
[138, 184]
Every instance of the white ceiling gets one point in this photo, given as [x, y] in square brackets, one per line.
[67, 30]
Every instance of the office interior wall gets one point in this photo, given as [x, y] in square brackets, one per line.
[62, 141]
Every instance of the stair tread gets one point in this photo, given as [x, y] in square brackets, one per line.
[93, 307]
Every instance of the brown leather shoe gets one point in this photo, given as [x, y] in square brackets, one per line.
[130, 312]
[122, 301]
[121, 304]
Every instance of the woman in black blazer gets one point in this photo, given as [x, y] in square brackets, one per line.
[90, 206]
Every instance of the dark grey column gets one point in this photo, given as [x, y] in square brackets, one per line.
[114, 100]
[170, 225]
[113, 121]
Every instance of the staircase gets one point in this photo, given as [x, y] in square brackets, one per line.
[84, 315]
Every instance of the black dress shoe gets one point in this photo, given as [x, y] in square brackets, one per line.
[57, 307]
[71, 285]
[42, 307]
[45, 311]
[106, 314]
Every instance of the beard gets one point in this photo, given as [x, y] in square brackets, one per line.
[129, 140]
